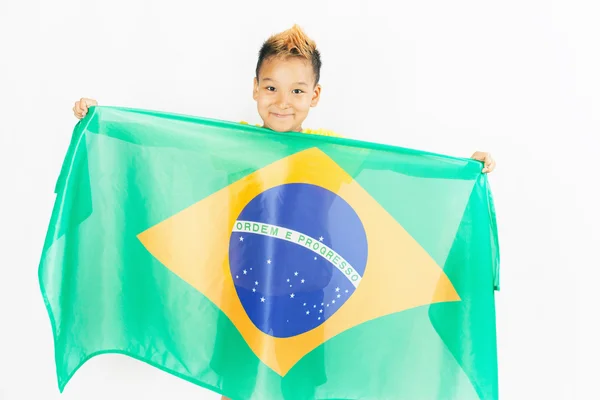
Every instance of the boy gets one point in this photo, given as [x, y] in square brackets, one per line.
[286, 86]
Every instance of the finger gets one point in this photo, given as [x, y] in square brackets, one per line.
[486, 165]
[83, 105]
[79, 113]
[478, 156]
[489, 167]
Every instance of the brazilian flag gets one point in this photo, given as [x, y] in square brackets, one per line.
[272, 266]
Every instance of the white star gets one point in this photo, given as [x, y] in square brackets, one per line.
[237, 276]
[245, 272]
[304, 304]
[332, 301]
[319, 318]
[322, 304]
[308, 312]
[315, 306]
[295, 273]
[320, 311]
[327, 304]
[346, 290]
[262, 299]
[288, 279]
[241, 238]
[321, 239]
[256, 283]
[315, 258]
[337, 289]
[302, 281]
[253, 290]
[268, 261]
[339, 295]
[290, 285]
[292, 296]
[250, 269]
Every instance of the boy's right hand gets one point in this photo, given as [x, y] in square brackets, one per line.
[81, 107]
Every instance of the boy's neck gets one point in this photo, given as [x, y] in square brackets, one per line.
[299, 130]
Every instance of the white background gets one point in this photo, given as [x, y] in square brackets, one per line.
[518, 78]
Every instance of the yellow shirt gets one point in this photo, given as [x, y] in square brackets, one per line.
[322, 132]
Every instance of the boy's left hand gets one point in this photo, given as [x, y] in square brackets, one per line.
[488, 162]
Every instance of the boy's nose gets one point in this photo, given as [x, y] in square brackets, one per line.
[282, 101]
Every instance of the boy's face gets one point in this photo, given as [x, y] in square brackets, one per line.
[284, 92]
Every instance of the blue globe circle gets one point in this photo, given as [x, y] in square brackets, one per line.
[291, 285]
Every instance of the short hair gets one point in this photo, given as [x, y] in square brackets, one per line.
[291, 43]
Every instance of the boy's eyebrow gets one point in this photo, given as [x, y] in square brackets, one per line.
[295, 83]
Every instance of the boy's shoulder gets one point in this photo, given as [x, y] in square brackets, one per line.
[320, 131]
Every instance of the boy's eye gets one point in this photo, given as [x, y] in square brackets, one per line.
[270, 88]
[297, 91]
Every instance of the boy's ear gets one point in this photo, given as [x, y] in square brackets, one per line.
[255, 91]
[316, 96]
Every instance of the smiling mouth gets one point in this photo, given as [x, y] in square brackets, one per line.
[281, 115]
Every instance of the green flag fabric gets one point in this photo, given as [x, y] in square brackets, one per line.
[267, 266]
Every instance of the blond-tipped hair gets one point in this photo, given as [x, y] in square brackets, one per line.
[291, 43]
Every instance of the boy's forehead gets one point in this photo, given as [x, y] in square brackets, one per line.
[287, 70]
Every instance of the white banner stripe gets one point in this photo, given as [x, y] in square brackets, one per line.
[300, 239]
